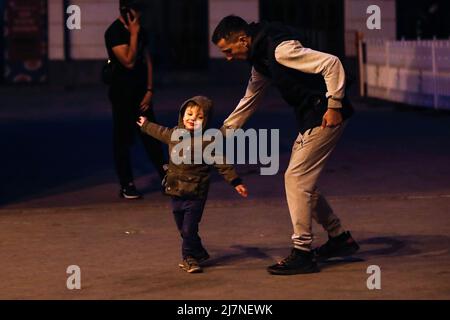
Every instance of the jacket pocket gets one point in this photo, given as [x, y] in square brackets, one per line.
[183, 185]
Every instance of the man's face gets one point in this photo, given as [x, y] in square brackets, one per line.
[237, 50]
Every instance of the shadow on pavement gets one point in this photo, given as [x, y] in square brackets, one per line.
[392, 247]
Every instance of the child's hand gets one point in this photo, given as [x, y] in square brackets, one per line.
[141, 121]
[242, 190]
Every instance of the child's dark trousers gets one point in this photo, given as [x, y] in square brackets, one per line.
[188, 213]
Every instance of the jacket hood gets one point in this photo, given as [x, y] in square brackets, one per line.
[204, 102]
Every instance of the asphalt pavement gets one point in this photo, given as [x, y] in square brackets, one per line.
[388, 180]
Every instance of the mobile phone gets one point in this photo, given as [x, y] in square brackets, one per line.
[124, 12]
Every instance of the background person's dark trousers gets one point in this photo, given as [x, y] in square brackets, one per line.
[125, 111]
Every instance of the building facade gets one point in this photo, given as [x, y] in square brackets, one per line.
[180, 31]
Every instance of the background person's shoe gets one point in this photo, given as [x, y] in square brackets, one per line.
[341, 246]
[129, 192]
[298, 262]
[190, 265]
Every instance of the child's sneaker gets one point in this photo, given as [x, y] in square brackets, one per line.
[202, 257]
[190, 265]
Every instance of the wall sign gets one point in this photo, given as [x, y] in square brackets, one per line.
[25, 34]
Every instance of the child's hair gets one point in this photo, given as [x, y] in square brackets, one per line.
[191, 104]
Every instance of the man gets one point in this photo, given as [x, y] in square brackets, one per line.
[313, 83]
[130, 93]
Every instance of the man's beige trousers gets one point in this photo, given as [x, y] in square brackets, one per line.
[309, 155]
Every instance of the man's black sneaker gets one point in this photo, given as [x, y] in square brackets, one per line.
[341, 246]
[129, 192]
[190, 265]
[298, 262]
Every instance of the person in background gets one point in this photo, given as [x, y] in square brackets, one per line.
[130, 93]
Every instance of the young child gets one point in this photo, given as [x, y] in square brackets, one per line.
[188, 183]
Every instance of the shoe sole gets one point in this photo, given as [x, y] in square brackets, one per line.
[196, 270]
[129, 197]
[314, 269]
[199, 260]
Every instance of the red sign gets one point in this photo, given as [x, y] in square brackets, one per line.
[25, 40]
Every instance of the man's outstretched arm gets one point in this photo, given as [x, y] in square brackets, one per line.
[256, 87]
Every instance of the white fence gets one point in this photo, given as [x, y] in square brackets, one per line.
[411, 72]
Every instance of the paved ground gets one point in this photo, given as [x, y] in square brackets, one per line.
[388, 180]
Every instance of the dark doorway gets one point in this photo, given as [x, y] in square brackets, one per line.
[423, 19]
[321, 22]
[178, 33]
[2, 44]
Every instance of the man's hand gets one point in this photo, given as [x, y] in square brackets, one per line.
[145, 103]
[331, 118]
[141, 121]
[134, 25]
[242, 190]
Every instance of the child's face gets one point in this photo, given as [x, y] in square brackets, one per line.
[193, 118]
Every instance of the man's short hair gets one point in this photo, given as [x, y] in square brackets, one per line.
[229, 27]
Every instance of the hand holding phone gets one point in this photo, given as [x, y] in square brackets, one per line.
[131, 20]
[126, 15]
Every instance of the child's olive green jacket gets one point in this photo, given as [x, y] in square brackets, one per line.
[189, 180]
